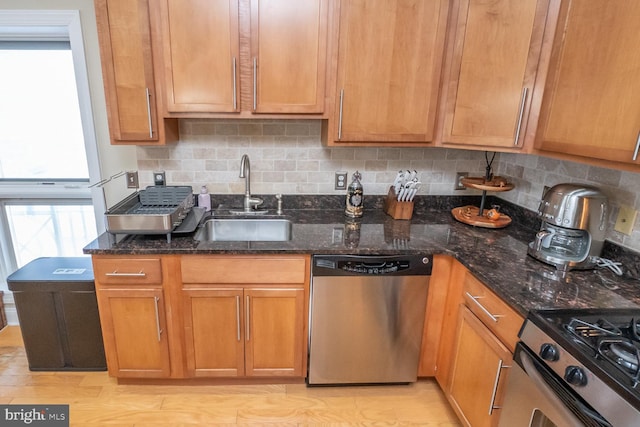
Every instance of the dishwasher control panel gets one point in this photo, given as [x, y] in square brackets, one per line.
[377, 265]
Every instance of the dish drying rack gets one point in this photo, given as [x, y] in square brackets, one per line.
[154, 210]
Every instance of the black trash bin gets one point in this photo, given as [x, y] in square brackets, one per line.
[58, 313]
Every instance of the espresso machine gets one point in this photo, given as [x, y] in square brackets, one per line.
[573, 227]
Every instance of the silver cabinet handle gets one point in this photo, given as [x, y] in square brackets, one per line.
[635, 152]
[493, 317]
[255, 83]
[149, 112]
[246, 319]
[116, 274]
[238, 316]
[235, 85]
[495, 387]
[340, 116]
[156, 299]
[523, 101]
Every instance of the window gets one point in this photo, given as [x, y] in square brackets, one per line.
[48, 152]
[40, 126]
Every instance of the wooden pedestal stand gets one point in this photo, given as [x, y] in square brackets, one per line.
[479, 216]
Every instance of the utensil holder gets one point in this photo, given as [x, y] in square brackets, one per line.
[396, 209]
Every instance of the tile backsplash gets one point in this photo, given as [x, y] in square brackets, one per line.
[287, 157]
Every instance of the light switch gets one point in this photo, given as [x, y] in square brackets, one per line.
[626, 219]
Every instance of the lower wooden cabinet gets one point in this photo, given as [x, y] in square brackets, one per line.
[480, 368]
[134, 331]
[479, 333]
[245, 315]
[232, 332]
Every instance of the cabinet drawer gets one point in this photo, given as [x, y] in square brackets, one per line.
[501, 319]
[244, 270]
[127, 271]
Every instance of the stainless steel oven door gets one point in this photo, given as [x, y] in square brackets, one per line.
[535, 397]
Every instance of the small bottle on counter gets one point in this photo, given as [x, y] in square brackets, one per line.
[204, 199]
[355, 197]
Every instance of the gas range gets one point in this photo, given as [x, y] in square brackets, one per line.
[594, 352]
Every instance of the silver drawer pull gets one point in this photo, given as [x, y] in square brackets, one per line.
[238, 316]
[116, 274]
[635, 152]
[148, 93]
[493, 317]
[247, 319]
[523, 102]
[492, 405]
[158, 329]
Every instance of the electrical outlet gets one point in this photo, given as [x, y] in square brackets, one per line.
[159, 178]
[458, 184]
[625, 220]
[341, 180]
[132, 179]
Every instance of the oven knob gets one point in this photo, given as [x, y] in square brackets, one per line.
[549, 352]
[575, 375]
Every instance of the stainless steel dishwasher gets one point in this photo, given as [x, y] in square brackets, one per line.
[366, 318]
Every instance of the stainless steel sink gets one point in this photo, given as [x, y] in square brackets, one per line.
[245, 230]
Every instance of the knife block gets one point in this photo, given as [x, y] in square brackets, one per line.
[396, 209]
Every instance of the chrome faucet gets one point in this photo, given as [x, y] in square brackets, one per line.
[250, 203]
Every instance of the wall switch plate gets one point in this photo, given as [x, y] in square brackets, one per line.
[132, 179]
[458, 184]
[626, 219]
[341, 180]
[159, 178]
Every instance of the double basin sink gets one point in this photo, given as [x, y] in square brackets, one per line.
[244, 230]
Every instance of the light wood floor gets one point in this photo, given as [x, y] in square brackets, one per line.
[95, 399]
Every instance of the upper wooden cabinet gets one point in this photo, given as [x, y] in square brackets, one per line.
[250, 56]
[495, 48]
[389, 67]
[591, 104]
[201, 54]
[288, 51]
[127, 69]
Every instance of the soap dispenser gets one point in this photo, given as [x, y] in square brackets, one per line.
[204, 199]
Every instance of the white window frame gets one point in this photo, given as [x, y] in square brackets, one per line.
[52, 25]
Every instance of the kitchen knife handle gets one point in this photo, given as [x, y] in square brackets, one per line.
[156, 300]
[148, 93]
[340, 115]
[255, 83]
[635, 152]
[235, 85]
[523, 102]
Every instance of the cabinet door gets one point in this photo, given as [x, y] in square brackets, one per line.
[127, 66]
[496, 48]
[134, 330]
[201, 53]
[389, 67]
[274, 332]
[479, 372]
[214, 332]
[591, 104]
[288, 51]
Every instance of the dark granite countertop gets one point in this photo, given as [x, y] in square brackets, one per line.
[498, 257]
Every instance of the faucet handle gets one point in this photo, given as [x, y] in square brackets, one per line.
[279, 198]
